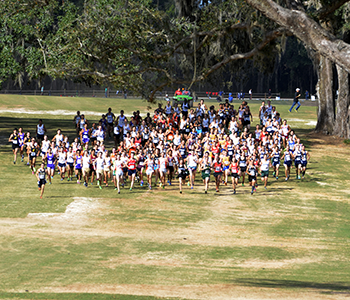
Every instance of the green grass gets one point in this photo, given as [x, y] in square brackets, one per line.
[293, 237]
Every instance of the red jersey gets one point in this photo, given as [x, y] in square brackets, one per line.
[132, 164]
[217, 167]
[234, 168]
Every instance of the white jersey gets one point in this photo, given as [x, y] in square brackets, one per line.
[99, 163]
[40, 129]
[70, 157]
[45, 146]
[192, 161]
[121, 121]
[59, 138]
[168, 109]
[107, 162]
[86, 162]
[265, 165]
[61, 158]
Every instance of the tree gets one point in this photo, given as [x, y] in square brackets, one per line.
[316, 34]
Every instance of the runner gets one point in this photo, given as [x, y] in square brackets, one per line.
[234, 173]
[62, 158]
[78, 166]
[264, 169]
[15, 140]
[70, 164]
[40, 131]
[86, 167]
[162, 169]
[217, 167]
[252, 173]
[305, 157]
[107, 167]
[205, 168]
[110, 119]
[50, 164]
[41, 176]
[131, 170]
[99, 165]
[33, 146]
[192, 161]
[117, 172]
[287, 162]
[276, 157]
[183, 173]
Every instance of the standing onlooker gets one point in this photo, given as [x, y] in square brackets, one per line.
[106, 92]
[250, 94]
[42, 90]
[269, 93]
[307, 95]
[296, 100]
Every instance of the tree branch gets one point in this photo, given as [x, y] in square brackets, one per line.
[268, 38]
[327, 10]
[306, 30]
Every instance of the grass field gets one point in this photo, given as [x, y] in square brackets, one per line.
[289, 242]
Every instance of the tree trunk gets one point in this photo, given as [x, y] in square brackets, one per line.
[325, 116]
[342, 124]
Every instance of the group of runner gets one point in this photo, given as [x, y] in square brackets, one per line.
[174, 142]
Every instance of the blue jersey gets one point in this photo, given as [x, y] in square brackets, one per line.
[78, 160]
[50, 160]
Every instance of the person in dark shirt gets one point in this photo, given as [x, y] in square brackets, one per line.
[296, 100]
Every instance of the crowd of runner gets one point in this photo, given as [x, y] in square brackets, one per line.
[176, 142]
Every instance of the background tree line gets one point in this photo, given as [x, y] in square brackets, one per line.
[147, 46]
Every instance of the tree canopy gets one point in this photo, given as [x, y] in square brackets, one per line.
[147, 45]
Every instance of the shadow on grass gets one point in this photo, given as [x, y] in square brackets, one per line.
[330, 286]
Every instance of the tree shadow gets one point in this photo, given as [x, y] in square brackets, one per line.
[271, 283]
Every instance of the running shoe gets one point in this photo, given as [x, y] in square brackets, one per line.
[299, 177]
[41, 197]
[61, 179]
[100, 187]
[27, 163]
[265, 188]
[32, 172]
[14, 162]
[68, 179]
[50, 182]
[217, 190]
[180, 192]
[21, 159]
[188, 184]
[150, 187]
[206, 192]
[34, 169]
[168, 182]
[141, 184]
[234, 192]
[225, 182]
[255, 189]
[242, 184]
[286, 179]
[130, 189]
[191, 187]
[163, 186]
[276, 177]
